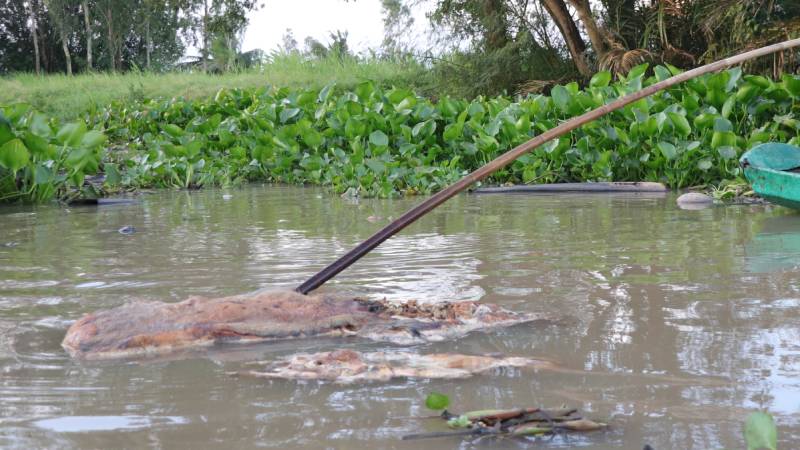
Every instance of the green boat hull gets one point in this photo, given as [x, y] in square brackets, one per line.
[770, 170]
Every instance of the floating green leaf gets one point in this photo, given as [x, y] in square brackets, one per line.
[461, 421]
[437, 401]
[760, 432]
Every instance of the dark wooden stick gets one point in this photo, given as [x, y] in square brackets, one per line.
[506, 158]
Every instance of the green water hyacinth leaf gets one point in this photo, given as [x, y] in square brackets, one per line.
[723, 138]
[453, 132]
[704, 164]
[14, 155]
[759, 81]
[727, 107]
[325, 93]
[6, 134]
[437, 401]
[424, 128]
[377, 166]
[760, 432]
[668, 150]
[680, 123]
[42, 175]
[600, 79]
[662, 73]
[638, 71]
[113, 176]
[71, 133]
[722, 124]
[312, 137]
[378, 138]
[727, 152]
[746, 92]
[38, 125]
[288, 114]
[173, 130]
[38, 146]
[792, 84]
[561, 97]
[93, 139]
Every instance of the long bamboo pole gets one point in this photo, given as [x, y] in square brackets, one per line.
[507, 158]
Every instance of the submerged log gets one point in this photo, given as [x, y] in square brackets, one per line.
[348, 366]
[598, 187]
[157, 328]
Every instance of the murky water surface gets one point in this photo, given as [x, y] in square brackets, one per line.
[679, 322]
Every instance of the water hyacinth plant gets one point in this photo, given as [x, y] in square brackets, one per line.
[39, 161]
[389, 141]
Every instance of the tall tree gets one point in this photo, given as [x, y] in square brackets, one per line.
[397, 22]
[115, 16]
[62, 13]
[32, 17]
[89, 33]
[220, 23]
[586, 17]
[569, 30]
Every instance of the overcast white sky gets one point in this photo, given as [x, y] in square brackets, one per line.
[362, 19]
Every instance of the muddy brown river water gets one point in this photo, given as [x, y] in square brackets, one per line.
[677, 323]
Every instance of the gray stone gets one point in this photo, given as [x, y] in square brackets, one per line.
[694, 200]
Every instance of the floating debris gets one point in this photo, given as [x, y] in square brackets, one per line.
[513, 422]
[127, 229]
[348, 366]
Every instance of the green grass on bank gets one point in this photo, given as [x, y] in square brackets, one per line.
[68, 97]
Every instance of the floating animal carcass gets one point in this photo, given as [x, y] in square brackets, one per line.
[157, 328]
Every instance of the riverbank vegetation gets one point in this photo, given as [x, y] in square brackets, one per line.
[69, 97]
[379, 141]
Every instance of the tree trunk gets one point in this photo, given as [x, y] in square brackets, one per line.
[595, 36]
[88, 24]
[112, 48]
[560, 14]
[65, 47]
[204, 51]
[34, 34]
[147, 42]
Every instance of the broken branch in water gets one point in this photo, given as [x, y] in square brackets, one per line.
[513, 422]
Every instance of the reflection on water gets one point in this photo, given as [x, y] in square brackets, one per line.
[776, 246]
[678, 322]
[78, 424]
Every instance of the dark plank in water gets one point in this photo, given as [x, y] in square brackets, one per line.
[617, 186]
[102, 201]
